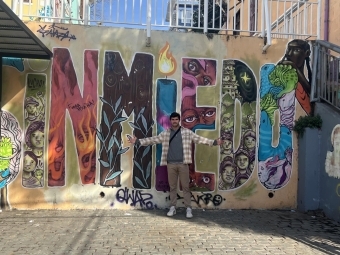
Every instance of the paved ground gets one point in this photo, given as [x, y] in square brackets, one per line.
[151, 232]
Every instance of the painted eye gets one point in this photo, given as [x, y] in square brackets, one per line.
[190, 119]
[206, 80]
[210, 113]
[192, 66]
[206, 179]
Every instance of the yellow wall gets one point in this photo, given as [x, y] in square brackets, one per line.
[76, 98]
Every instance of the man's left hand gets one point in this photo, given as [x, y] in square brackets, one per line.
[219, 141]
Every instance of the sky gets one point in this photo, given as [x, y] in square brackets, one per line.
[129, 11]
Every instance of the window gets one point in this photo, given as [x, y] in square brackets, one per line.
[184, 16]
[237, 23]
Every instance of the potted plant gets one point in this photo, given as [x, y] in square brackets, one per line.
[308, 121]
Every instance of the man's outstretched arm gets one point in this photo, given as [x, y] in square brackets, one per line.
[145, 141]
[202, 140]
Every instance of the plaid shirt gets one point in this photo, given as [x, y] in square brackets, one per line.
[188, 137]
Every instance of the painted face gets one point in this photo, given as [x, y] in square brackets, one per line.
[203, 71]
[296, 54]
[192, 115]
[227, 144]
[249, 142]
[37, 139]
[31, 108]
[251, 165]
[29, 164]
[174, 122]
[39, 173]
[242, 162]
[228, 174]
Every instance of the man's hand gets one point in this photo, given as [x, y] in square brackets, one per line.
[131, 139]
[219, 141]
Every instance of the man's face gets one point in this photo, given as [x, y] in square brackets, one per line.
[174, 122]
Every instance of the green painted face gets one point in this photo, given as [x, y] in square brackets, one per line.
[5, 152]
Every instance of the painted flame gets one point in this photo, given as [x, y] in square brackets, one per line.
[166, 63]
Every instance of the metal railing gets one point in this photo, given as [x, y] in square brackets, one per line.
[298, 19]
[266, 18]
[326, 77]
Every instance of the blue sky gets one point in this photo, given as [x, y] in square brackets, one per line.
[126, 13]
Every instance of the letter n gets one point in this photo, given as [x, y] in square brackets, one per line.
[82, 108]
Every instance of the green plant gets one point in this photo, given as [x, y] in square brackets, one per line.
[307, 122]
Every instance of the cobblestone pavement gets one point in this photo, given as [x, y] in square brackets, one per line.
[152, 232]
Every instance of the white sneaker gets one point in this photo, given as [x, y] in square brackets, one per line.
[172, 211]
[189, 213]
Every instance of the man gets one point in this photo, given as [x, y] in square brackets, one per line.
[176, 154]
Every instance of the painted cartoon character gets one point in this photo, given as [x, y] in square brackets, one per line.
[10, 148]
[227, 174]
[35, 137]
[287, 109]
[332, 163]
[243, 167]
[275, 173]
[28, 176]
[34, 108]
[5, 155]
[227, 145]
[249, 144]
[297, 54]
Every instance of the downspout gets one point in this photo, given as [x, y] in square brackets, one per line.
[326, 21]
[266, 20]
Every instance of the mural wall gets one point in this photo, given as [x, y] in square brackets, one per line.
[65, 122]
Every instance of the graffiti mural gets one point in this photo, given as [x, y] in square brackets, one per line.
[195, 73]
[166, 104]
[125, 93]
[17, 63]
[277, 95]
[332, 164]
[238, 124]
[77, 110]
[296, 55]
[34, 125]
[10, 148]
[82, 108]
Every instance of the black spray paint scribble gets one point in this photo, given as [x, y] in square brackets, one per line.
[206, 198]
[56, 31]
[135, 198]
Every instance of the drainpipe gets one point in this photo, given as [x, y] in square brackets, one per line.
[148, 24]
[326, 21]
[205, 16]
[268, 27]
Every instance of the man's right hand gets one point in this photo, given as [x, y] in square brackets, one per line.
[131, 139]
